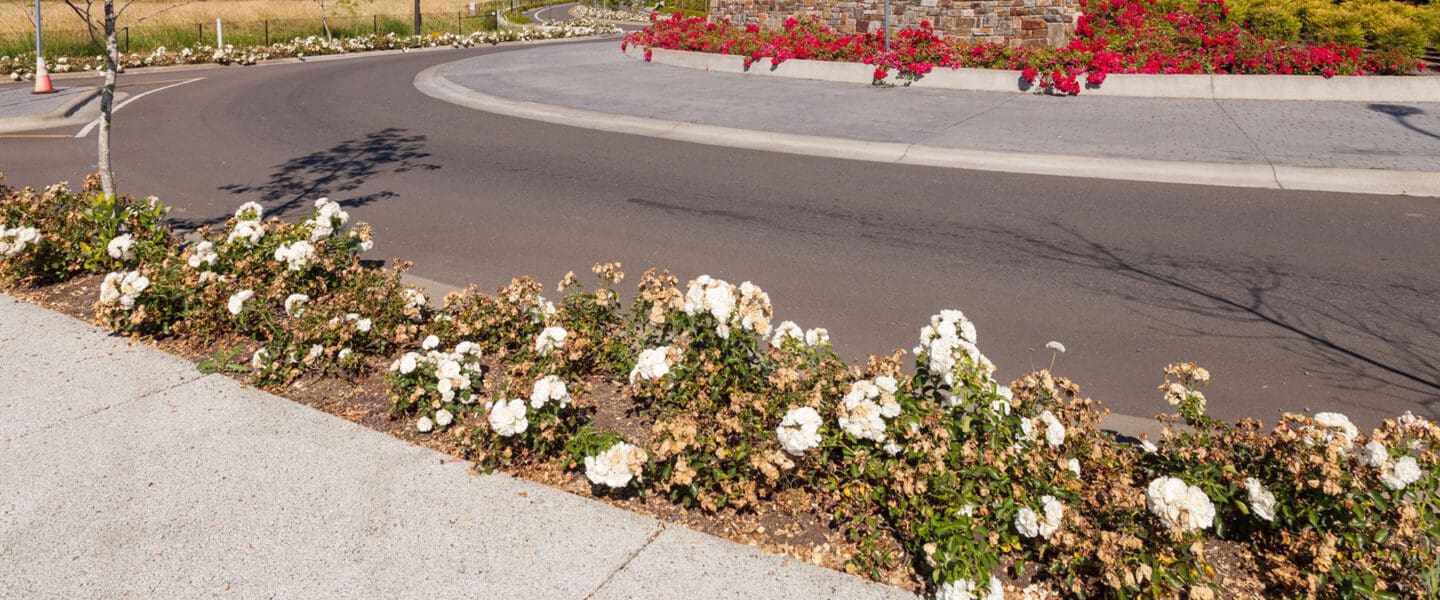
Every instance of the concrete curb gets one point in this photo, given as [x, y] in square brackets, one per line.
[432, 82]
[76, 111]
[1375, 88]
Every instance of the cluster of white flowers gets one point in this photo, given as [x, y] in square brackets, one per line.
[965, 589]
[799, 430]
[121, 247]
[237, 301]
[1395, 474]
[746, 307]
[652, 364]
[789, 331]
[867, 405]
[247, 226]
[203, 255]
[458, 374]
[549, 389]
[1179, 504]
[605, 14]
[507, 417]
[1054, 429]
[296, 256]
[550, 340]
[14, 240]
[1332, 427]
[948, 345]
[617, 466]
[328, 219]
[1262, 502]
[362, 325]
[1043, 524]
[122, 289]
[295, 305]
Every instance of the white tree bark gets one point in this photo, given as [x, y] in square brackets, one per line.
[107, 101]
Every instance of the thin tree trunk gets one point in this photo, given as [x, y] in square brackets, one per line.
[107, 100]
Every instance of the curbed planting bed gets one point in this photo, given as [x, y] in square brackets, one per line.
[691, 404]
[1147, 48]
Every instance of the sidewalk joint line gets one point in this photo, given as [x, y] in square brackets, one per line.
[1254, 146]
[190, 378]
[656, 534]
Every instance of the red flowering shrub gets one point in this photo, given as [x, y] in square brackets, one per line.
[1111, 36]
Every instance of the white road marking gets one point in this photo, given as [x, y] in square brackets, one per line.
[93, 124]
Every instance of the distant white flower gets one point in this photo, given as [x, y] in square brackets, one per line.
[443, 418]
[249, 232]
[818, 336]
[550, 340]
[652, 364]
[787, 330]
[1262, 502]
[408, 363]
[1054, 430]
[1401, 473]
[893, 448]
[1056, 346]
[1337, 424]
[295, 305]
[249, 211]
[315, 351]
[363, 325]
[121, 248]
[431, 342]
[1374, 454]
[549, 389]
[123, 289]
[1179, 504]
[507, 417]
[237, 301]
[344, 353]
[14, 240]
[616, 466]
[424, 425]
[296, 256]
[259, 359]
[203, 254]
[799, 430]
[1149, 446]
[965, 589]
[1043, 524]
[1074, 466]
[415, 298]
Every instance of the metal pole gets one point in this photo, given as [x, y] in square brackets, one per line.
[39, 55]
[219, 34]
[417, 17]
[127, 39]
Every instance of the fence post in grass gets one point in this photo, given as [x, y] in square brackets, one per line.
[375, 24]
[417, 18]
[127, 39]
[199, 33]
[460, 23]
[267, 32]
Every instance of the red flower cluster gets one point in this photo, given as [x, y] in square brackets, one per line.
[1111, 36]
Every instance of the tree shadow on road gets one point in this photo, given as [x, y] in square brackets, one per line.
[1385, 341]
[336, 172]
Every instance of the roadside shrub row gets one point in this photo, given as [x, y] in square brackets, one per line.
[928, 463]
[1383, 24]
[22, 66]
[1112, 36]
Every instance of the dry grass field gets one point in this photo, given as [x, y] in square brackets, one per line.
[153, 23]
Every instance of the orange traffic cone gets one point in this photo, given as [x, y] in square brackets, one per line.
[42, 78]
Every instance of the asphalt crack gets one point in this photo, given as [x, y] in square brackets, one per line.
[659, 530]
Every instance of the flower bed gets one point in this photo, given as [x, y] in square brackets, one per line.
[1123, 36]
[930, 468]
[21, 67]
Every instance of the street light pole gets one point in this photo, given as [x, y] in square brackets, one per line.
[42, 76]
[887, 26]
[417, 18]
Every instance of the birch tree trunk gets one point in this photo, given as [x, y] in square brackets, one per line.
[107, 101]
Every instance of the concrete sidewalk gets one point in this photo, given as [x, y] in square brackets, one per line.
[124, 472]
[1222, 137]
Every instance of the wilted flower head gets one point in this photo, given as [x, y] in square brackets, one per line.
[237, 301]
[295, 304]
[617, 466]
[121, 247]
[1262, 502]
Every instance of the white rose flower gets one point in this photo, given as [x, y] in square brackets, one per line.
[296, 256]
[237, 301]
[1054, 430]
[652, 364]
[1403, 472]
[295, 305]
[249, 232]
[818, 336]
[1179, 504]
[249, 211]
[863, 420]
[507, 417]
[549, 340]
[443, 418]
[431, 342]
[203, 254]
[549, 389]
[1374, 454]
[408, 363]
[121, 248]
[259, 359]
[1262, 502]
[799, 430]
[363, 325]
[1074, 466]
[617, 466]
[787, 330]
[424, 425]
[1337, 424]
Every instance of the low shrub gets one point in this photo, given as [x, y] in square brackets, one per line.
[934, 468]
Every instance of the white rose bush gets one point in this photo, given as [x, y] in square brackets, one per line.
[927, 466]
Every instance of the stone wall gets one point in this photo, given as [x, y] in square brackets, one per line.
[1040, 22]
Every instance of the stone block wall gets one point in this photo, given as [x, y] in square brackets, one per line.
[1038, 22]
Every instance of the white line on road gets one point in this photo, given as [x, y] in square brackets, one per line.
[86, 131]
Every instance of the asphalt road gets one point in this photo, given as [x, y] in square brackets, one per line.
[1294, 301]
